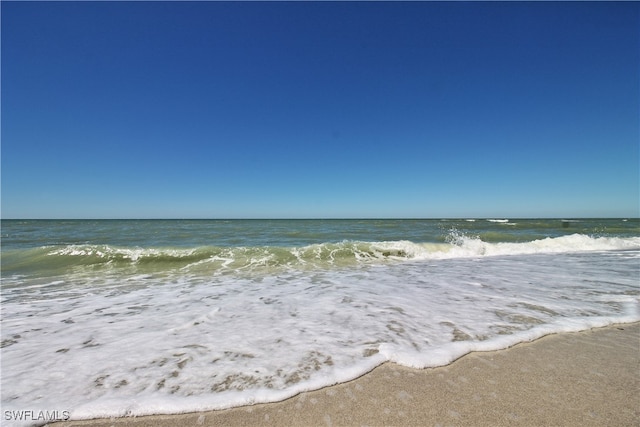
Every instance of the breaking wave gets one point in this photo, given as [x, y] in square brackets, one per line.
[214, 259]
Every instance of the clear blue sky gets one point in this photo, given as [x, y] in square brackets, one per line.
[296, 109]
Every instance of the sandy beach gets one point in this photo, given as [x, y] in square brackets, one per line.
[590, 378]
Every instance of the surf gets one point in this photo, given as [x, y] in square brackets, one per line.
[51, 260]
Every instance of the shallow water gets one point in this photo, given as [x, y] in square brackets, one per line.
[118, 318]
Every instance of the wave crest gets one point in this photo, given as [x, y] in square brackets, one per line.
[216, 260]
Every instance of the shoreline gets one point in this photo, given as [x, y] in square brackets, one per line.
[575, 378]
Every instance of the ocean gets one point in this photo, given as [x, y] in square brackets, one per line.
[109, 318]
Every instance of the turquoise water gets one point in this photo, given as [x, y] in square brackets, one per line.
[50, 246]
[134, 317]
[22, 234]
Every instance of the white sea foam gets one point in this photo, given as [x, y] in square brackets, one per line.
[176, 342]
[465, 246]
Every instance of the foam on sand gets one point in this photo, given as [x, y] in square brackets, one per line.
[588, 379]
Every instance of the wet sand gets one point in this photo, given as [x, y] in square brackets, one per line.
[589, 378]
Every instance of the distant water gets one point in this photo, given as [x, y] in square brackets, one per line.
[132, 317]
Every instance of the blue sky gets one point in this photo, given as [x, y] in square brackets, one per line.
[320, 110]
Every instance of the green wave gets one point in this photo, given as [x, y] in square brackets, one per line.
[61, 259]
[204, 260]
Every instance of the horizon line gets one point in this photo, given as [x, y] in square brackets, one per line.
[560, 218]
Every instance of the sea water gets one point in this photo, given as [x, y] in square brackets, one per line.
[124, 318]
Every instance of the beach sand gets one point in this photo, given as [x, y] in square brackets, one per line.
[589, 378]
